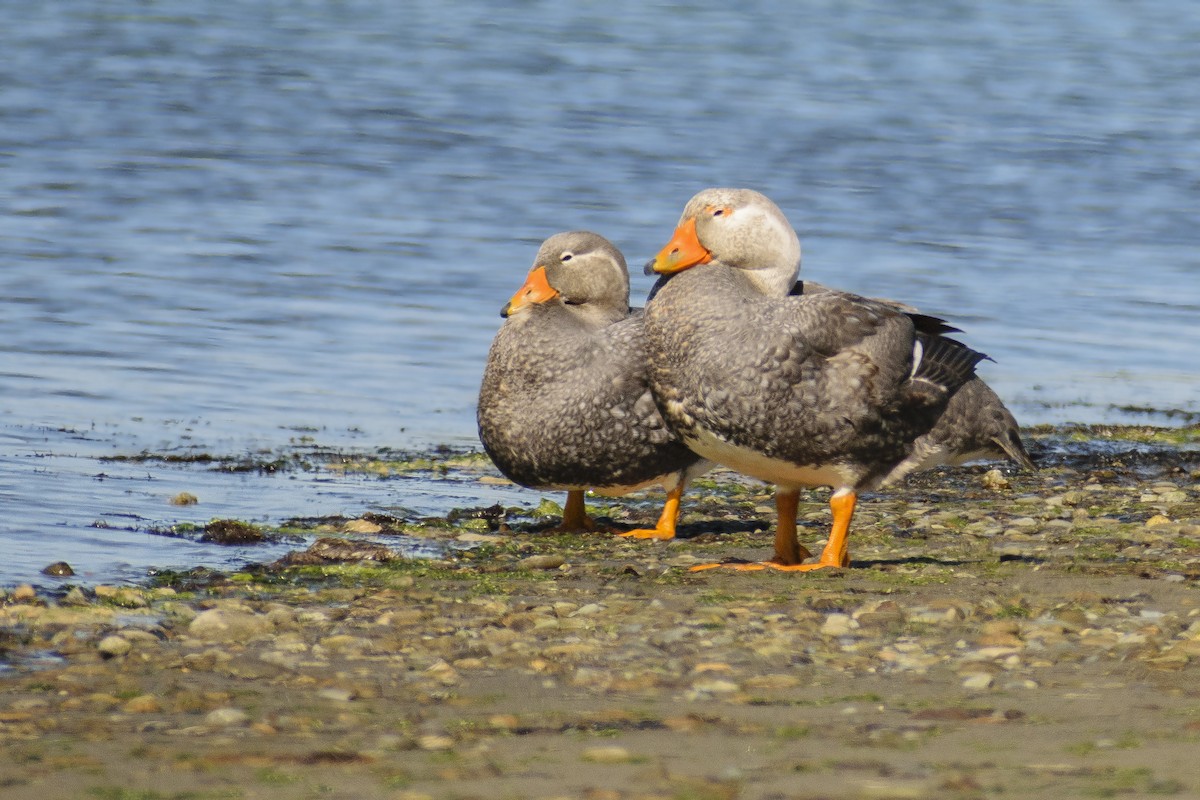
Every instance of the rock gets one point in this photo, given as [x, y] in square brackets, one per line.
[838, 625]
[435, 741]
[494, 480]
[541, 562]
[226, 717]
[1000, 633]
[977, 682]
[587, 610]
[994, 479]
[142, 704]
[327, 550]
[123, 596]
[607, 755]
[345, 643]
[774, 681]
[443, 673]
[219, 625]
[506, 722]
[23, 594]
[59, 569]
[232, 532]
[879, 613]
[894, 789]
[362, 526]
[74, 597]
[113, 646]
[935, 614]
[480, 538]
[184, 499]
[716, 686]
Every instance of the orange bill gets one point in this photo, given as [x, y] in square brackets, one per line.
[683, 251]
[536, 289]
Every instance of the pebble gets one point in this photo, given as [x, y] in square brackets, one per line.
[113, 646]
[142, 704]
[542, 562]
[978, 681]
[838, 625]
[716, 686]
[121, 596]
[74, 597]
[896, 790]
[935, 616]
[226, 717]
[219, 625]
[345, 643]
[994, 479]
[435, 741]
[587, 610]
[362, 526]
[480, 538]
[718, 640]
[607, 755]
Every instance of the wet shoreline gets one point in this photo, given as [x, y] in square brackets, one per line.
[974, 648]
[408, 491]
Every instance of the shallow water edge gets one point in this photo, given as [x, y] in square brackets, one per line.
[133, 518]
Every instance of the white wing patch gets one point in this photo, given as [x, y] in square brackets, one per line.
[918, 354]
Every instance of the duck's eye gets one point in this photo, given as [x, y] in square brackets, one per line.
[721, 212]
[567, 256]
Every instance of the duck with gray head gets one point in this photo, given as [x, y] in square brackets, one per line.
[819, 388]
[565, 402]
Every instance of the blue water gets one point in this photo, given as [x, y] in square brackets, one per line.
[230, 225]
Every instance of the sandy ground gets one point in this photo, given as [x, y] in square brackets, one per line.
[1015, 635]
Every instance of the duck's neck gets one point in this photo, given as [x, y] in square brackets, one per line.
[775, 274]
[594, 317]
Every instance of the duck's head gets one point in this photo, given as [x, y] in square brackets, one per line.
[740, 228]
[577, 268]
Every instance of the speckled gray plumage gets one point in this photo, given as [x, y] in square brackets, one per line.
[812, 381]
[821, 379]
[974, 425]
[565, 401]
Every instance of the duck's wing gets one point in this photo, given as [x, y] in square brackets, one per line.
[927, 365]
[926, 323]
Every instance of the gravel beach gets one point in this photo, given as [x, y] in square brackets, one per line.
[999, 634]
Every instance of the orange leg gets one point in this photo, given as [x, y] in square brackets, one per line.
[574, 518]
[789, 552]
[787, 547]
[665, 528]
[837, 549]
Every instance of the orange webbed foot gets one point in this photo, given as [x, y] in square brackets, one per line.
[741, 566]
[649, 533]
[805, 567]
[664, 529]
[759, 566]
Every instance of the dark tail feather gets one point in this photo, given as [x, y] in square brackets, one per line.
[946, 362]
[924, 323]
[934, 326]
